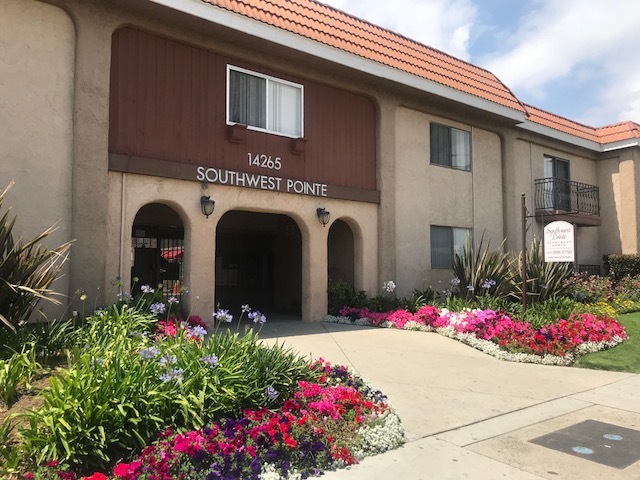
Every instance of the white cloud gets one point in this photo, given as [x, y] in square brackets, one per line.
[442, 24]
[559, 40]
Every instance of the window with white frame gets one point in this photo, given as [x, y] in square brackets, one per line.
[445, 242]
[264, 103]
[450, 147]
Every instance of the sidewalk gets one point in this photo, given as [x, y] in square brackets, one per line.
[468, 415]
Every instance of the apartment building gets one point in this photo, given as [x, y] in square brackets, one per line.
[249, 150]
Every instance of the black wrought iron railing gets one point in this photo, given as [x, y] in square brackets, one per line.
[558, 194]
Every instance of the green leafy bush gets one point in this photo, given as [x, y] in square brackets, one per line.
[628, 288]
[123, 386]
[548, 311]
[619, 266]
[341, 293]
[27, 270]
[589, 288]
[17, 370]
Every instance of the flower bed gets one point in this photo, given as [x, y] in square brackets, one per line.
[325, 425]
[499, 335]
[228, 407]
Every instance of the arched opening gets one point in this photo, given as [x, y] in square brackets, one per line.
[157, 248]
[259, 262]
[340, 252]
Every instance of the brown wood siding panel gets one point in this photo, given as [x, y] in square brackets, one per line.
[168, 102]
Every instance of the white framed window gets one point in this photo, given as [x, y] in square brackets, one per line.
[264, 103]
[445, 242]
[450, 147]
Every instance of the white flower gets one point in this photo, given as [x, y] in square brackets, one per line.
[389, 286]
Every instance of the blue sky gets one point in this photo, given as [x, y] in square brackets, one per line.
[575, 58]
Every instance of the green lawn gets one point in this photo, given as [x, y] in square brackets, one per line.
[623, 358]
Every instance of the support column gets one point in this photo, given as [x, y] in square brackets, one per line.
[314, 271]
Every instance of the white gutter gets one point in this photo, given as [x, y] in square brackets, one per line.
[608, 147]
[235, 21]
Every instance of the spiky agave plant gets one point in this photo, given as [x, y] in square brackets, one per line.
[27, 271]
[545, 280]
[482, 271]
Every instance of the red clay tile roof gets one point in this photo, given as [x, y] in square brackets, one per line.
[618, 131]
[551, 120]
[338, 29]
[341, 30]
[602, 135]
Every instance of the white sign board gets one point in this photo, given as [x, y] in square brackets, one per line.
[559, 242]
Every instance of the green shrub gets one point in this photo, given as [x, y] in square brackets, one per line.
[589, 288]
[549, 311]
[123, 387]
[482, 272]
[16, 371]
[628, 288]
[341, 293]
[27, 270]
[545, 280]
[619, 266]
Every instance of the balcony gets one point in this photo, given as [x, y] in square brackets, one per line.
[573, 202]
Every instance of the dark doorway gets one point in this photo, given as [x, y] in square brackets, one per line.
[157, 245]
[340, 251]
[259, 262]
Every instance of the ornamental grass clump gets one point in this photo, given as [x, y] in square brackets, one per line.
[27, 271]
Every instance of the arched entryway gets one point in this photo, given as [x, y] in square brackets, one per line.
[340, 245]
[157, 248]
[259, 262]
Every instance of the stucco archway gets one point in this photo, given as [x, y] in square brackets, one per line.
[341, 252]
[158, 249]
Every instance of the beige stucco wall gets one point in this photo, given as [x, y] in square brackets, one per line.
[618, 175]
[525, 165]
[129, 192]
[37, 43]
[429, 194]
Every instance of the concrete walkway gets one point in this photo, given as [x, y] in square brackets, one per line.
[466, 414]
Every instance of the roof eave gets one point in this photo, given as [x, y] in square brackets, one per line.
[562, 136]
[235, 21]
[620, 144]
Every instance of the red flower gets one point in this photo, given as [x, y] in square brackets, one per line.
[96, 476]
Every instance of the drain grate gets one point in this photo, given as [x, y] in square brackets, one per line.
[599, 442]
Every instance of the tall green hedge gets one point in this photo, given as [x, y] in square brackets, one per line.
[619, 266]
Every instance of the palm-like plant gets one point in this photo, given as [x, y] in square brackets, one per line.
[481, 271]
[545, 280]
[27, 271]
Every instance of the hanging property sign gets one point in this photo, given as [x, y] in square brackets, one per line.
[559, 244]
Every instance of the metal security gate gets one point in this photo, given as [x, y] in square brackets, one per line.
[157, 259]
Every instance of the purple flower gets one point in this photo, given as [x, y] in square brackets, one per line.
[157, 308]
[211, 360]
[168, 360]
[148, 353]
[272, 393]
[197, 331]
[246, 308]
[172, 374]
[257, 317]
[455, 281]
[223, 315]
[146, 289]
[173, 300]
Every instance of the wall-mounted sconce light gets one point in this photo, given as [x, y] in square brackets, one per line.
[207, 205]
[323, 216]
